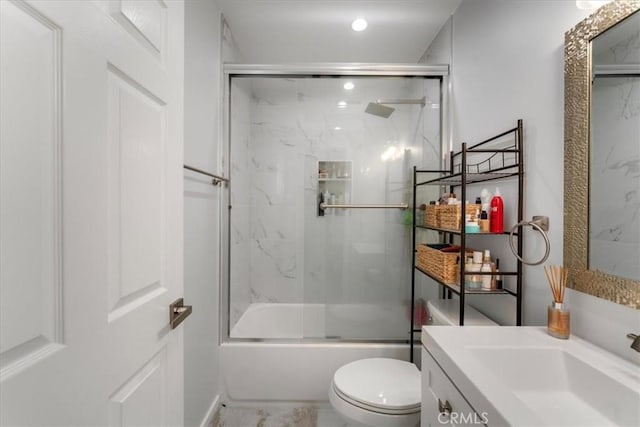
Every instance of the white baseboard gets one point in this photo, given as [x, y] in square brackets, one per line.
[215, 405]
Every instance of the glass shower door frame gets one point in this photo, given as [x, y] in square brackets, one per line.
[292, 71]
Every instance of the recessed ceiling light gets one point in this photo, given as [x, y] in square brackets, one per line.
[359, 24]
[337, 128]
[342, 104]
[349, 85]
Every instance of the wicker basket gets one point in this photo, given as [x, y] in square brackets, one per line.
[432, 216]
[442, 265]
[450, 215]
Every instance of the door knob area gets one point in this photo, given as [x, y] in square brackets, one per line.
[178, 312]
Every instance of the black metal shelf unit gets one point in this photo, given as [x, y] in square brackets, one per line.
[503, 161]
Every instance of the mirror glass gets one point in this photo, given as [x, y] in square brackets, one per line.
[614, 151]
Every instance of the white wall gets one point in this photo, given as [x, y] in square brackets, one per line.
[507, 63]
[201, 209]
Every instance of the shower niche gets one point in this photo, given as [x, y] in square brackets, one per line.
[334, 186]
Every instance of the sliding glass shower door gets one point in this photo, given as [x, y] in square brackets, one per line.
[321, 169]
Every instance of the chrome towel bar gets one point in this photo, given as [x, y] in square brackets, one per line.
[402, 206]
[216, 179]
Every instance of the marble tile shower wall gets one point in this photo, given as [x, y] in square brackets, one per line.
[281, 250]
[427, 155]
[240, 232]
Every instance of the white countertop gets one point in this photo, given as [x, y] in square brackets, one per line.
[523, 376]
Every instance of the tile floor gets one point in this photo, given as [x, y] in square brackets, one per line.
[277, 417]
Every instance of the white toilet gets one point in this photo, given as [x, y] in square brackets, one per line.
[447, 312]
[382, 392]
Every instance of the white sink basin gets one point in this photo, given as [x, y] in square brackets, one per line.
[523, 376]
[560, 388]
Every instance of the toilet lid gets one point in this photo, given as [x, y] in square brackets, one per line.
[381, 383]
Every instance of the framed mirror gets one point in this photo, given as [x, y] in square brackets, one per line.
[601, 149]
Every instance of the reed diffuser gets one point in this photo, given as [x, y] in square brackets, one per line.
[557, 313]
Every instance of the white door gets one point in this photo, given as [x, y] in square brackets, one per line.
[91, 116]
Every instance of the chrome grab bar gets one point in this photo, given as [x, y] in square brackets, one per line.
[402, 206]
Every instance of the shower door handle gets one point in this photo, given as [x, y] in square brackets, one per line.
[401, 206]
[178, 312]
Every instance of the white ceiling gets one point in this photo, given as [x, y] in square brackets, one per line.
[293, 31]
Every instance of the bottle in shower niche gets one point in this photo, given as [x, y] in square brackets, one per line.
[496, 215]
[327, 201]
[320, 202]
[340, 201]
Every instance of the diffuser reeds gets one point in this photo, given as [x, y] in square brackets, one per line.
[557, 277]
[557, 314]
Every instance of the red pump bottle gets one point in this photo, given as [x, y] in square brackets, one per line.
[496, 216]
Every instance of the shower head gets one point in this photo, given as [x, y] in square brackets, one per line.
[380, 109]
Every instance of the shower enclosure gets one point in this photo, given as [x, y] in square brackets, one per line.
[319, 246]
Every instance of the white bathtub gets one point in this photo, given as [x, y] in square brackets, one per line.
[280, 321]
[267, 371]
[380, 322]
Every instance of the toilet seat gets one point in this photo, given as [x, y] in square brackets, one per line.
[386, 386]
[373, 408]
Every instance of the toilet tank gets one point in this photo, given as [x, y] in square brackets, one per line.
[447, 312]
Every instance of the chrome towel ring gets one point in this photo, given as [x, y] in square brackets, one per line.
[539, 223]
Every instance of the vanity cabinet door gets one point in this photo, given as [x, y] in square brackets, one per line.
[442, 403]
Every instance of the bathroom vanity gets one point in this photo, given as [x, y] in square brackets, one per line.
[522, 376]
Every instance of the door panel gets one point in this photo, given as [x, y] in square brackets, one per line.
[146, 21]
[129, 405]
[137, 123]
[29, 188]
[92, 106]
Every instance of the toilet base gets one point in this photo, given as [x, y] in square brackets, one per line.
[363, 417]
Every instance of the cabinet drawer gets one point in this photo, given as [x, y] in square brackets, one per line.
[439, 392]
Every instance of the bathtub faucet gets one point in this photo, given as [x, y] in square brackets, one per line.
[636, 342]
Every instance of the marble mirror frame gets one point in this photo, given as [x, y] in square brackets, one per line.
[577, 103]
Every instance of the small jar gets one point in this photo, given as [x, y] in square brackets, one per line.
[558, 321]
[473, 281]
[471, 227]
[484, 222]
